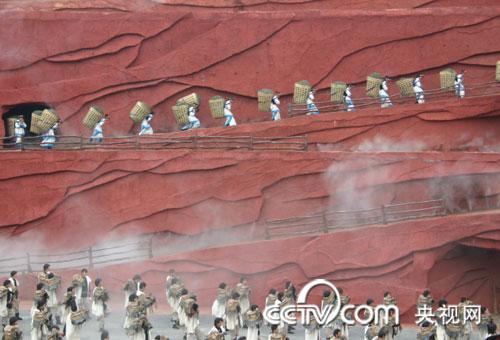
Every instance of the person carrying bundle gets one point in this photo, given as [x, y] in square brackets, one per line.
[230, 121]
[194, 122]
[417, 88]
[459, 84]
[349, 104]
[383, 93]
[275, 110]
[97, 133]
[311, 107]
[19, 127]
[49, 137]
[146, 128]
[99, 307]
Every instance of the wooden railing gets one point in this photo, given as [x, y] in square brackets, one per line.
[472, 91]
[158, 142]
[330, 220]
[88, 258]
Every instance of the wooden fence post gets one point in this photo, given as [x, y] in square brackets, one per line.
[28, 260]
[325, 223]
[81, 142]
[195, 142]
[384, 218]
[251, 142]
[306, 144]
[150, 247]
[91, 261]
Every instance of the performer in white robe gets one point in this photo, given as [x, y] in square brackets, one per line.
[228, 114]
[253, 320]
[39, 329]
[330, 327]
[383, 93]
[193, 331]
[5, 300]
[19, 126]
[146, 128]
[282, 327]
[349, 104]
[194, 122]
[417, 88]
[440, 320]
[99, 299]
[68, 300]
[244, 290]
[486, 319]
[275, 109]
[15, 294]
[183, 295]
[459, 85]
[219, 305]
[312, 330]
[97, 133]
[232, 320]
[12, 331]
[133, 325]
[275, 333]
[73, 330]
[49, 138]
[311, 107]
[217, 331]
[82, 291]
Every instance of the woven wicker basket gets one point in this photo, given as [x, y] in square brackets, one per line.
[216, 104]
[301, 91]
[180, 114]
[447, 78]
[93, 116]
[497, 74]
[264, 97]
[36, 121]
[406, 87]
[337, 91]
[192, 99]
[373, 82]
[11, 126]
[139, 111]
[49, 118]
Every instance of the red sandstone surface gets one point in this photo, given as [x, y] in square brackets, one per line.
[366, 262]
[111, 53]
[73, 58]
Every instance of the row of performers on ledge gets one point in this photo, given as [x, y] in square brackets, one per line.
[49, 137]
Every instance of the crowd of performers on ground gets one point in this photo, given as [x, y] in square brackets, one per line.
[235, 316]
[49, 138]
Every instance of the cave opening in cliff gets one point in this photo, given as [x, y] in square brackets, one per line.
[24, 109]
[470, 271]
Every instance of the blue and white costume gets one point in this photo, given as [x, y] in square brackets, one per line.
[230, 121]
[97, 134]
[459, 85]
[275, 110]
[146, 128]
[49, 138]
[417, 88]
[311, 107]
[349, 104]
[383, 93]
[19, 127]
[194, 122]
